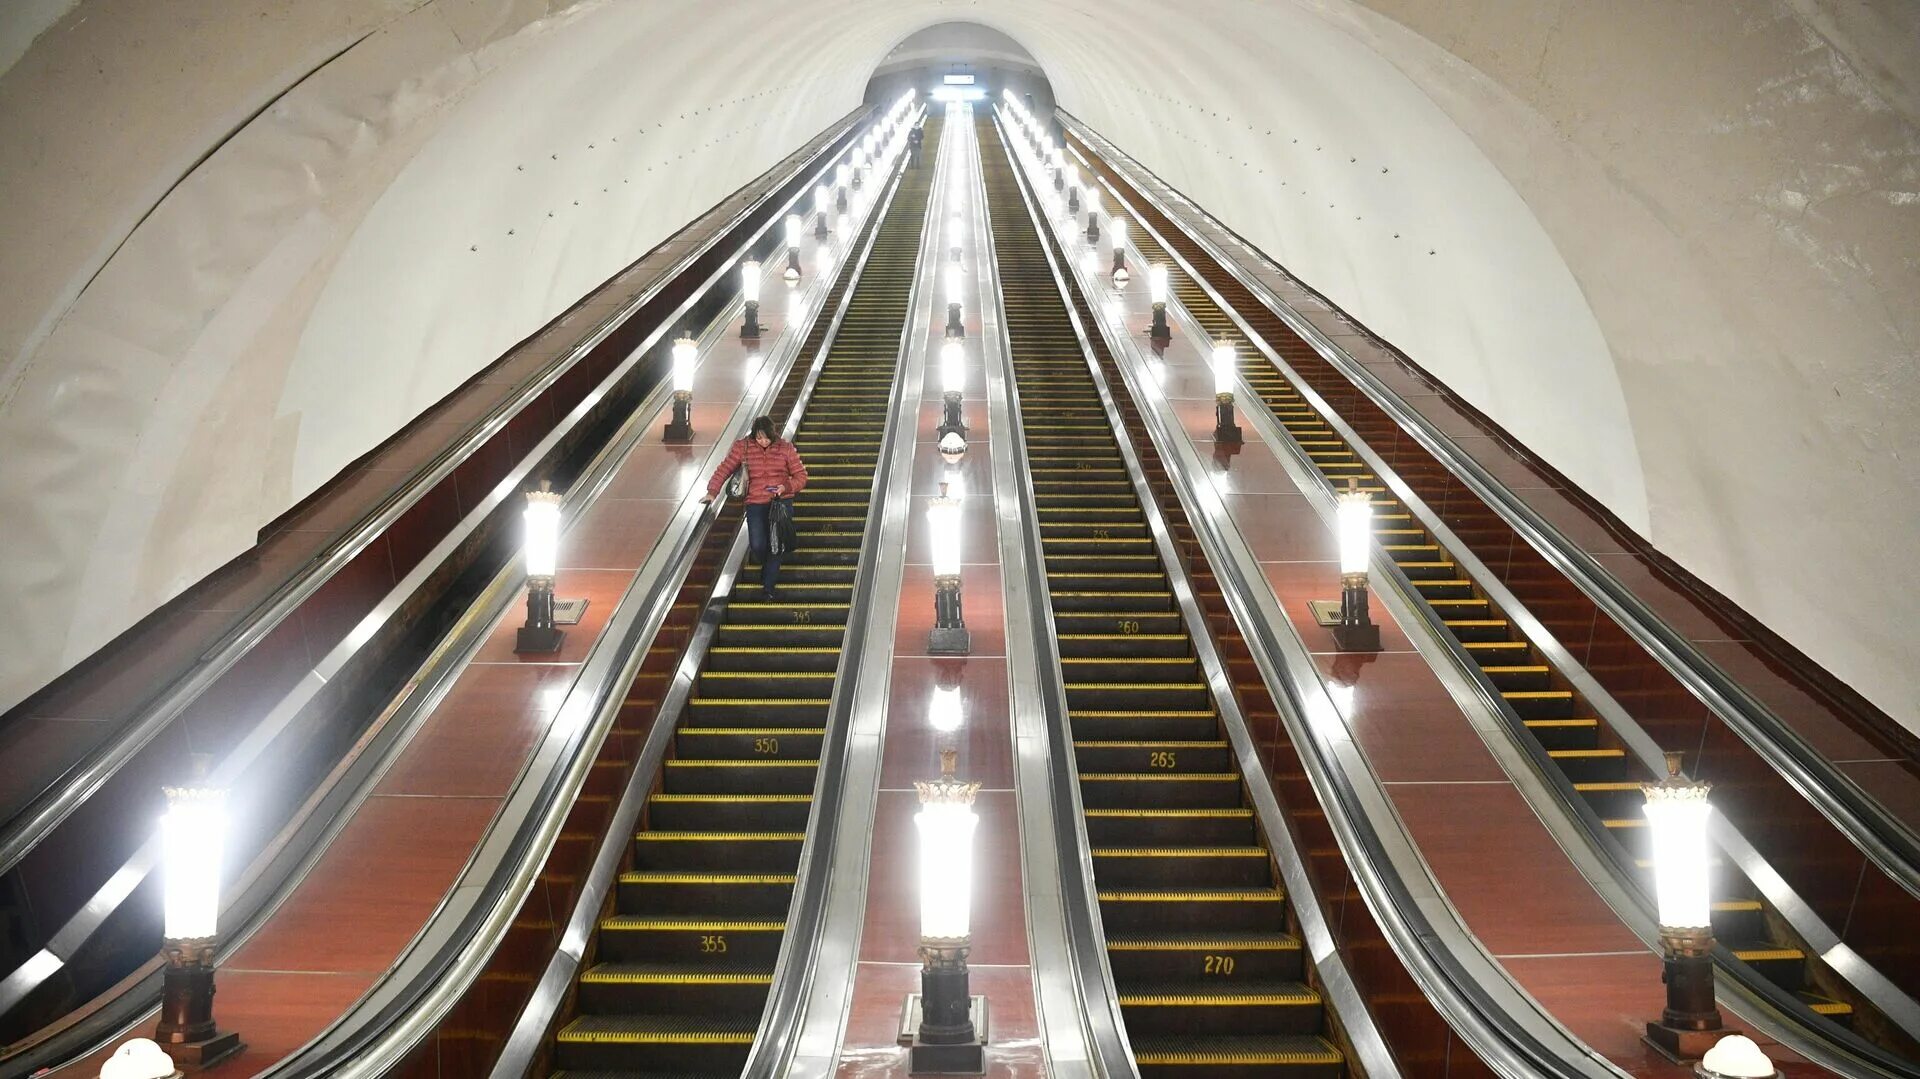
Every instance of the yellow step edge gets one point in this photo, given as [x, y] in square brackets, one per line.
[1136, 685]
[1150, 745]
[1538, 694]
[1262, 944]
[1125, 637]
[1521, 668]
[649, 1037]
[1237, 1058]
[776, 650]
[759, 702]
[1189, 814]
[596, 976]
[742, 764]
[1551, 723]
[1159, 777]
[1603, 788]
[1736, 906]
[1256, 896]
[628, 923]
[720, 837]
[1178, 852]
[1584, 754]
[731, 798]
[1162, 660]
[1224, 1000]
[751, 730]
[1829, 1007]
[1625, 822]
[643, 877]
[1081, 714]
[768, 674]
[1762, 955]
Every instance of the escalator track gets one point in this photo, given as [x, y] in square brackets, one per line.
[1211, 981]
[684, 960]
[1586, 752]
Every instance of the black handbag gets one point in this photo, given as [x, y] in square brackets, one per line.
[780, 522]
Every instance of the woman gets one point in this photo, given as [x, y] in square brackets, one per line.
[774, 471]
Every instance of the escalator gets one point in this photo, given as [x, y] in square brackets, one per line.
[684, 960]
[1589, 755]
[1211, 980]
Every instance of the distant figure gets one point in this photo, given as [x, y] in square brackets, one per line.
[914, 138]
[774, 471]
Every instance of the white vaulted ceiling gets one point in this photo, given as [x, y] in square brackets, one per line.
[1672, 248]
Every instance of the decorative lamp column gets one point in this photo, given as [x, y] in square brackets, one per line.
[794, 227]
[192, 835]
[1677, 813]
[1157, 289]
[1059, 168]
[1352, 625]
[1093, 213]
[956, 235]
[822, 202]
[859, 164]
[842, 178]
[1226, 369]
[953, 383]
[947, 1037]
[955, 292]
[949, 636]
[1118, 229]
[1073, 189]
[750, 292]
[542, 519]
[685, 354]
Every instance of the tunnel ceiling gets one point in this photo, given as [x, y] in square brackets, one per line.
[1668, 248]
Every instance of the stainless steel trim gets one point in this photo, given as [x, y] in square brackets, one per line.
[1074, 997]
[821, 945]
[1890, 843]
[379, 1032]
[1547, 790]
[1374, 1059]
[269, 883]
[25, 830]
[1503, 1025]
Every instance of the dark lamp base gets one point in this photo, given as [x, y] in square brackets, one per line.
[198, 1056]
[957, 1058]
[1682, 1046]
[533, 639]
[956, 641]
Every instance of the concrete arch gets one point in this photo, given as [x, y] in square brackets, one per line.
[314, 282]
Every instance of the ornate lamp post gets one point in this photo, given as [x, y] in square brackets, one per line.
[956, 234]
[542, 518]
[1677, 812]
[946, 1039]
[953, 383]
[1073, 189]
[1093, 213]
[842, 179]
[192, 835]
[685, 354]
[822, 202]
[1118, 228]
[956, 283]
[1157, 289]
[793, 226]
[750, 292]
[949, 636]
[1352, 625]
[1226, 369]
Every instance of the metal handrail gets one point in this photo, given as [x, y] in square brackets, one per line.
[1110, 1051]
[1789, 1018]
[272, 884]
[1477, 1000]
[372, 1046]
[22, 832]
[1890, 843]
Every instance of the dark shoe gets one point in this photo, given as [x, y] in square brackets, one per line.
[770, 595]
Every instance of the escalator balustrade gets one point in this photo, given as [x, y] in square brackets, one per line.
[1574, 739]
[684, 960]
[1211, 981]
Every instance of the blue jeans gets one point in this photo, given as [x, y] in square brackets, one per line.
[760, 541]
